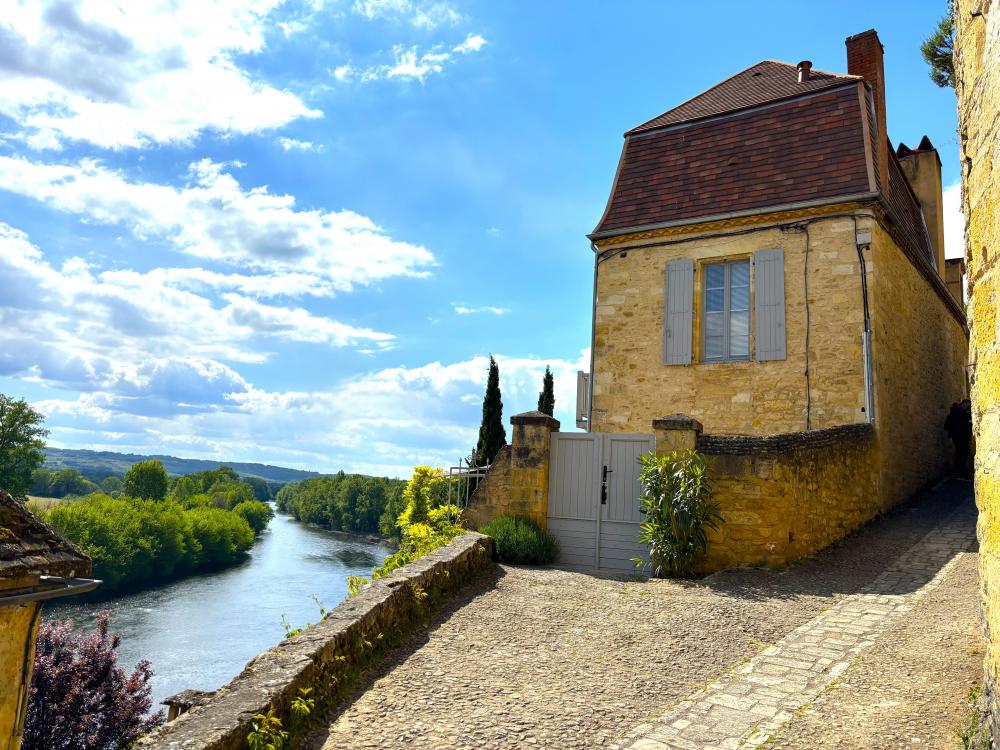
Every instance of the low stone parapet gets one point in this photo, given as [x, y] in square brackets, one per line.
[326, 655]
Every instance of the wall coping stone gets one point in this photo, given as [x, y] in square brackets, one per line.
[273, 678]
[677, 422]
[787, 442]
[535, 417]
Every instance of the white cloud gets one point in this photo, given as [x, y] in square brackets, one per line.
[74, 327]
[472, 43]
[129, 74]
[954, 221]
[423, 15]
[410, 64]
[292, 144]
[383, 422]
[212, 217]
[462, 309]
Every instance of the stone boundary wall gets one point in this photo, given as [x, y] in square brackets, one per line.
[326, 655]
[491, 498]
[785, 497]
[777, 445]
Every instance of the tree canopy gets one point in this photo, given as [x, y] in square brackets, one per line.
[938, 49]
[547, 398]
[492, 435]
[21, 443]
[147, 480]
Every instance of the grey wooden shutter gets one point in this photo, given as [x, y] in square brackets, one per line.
[769, 304]
[678, 310]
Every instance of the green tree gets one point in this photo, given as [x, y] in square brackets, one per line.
[547, 398]
[112, 484]
[21, 444]
[147, 480]
[492, 435]
[938, 50]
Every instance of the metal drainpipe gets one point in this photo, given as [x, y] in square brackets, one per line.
[593, 341]
[866, 333]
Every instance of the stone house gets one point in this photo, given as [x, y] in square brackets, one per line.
[768, 272]
[769, 266]
[36, 564]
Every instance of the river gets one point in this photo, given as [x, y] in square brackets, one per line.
[199, 632]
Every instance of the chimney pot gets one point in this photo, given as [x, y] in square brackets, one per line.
[804, 68]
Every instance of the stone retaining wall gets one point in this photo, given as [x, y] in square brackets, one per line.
[326, 655]
[785, 497]
[491, 498]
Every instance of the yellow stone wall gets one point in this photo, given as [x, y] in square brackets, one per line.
[491, 498]
[977, 67]
[920, 351]
[632, 386]
[777, 509]
[17, 625]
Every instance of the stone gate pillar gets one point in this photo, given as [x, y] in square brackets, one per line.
[677, 432]
[529, 464]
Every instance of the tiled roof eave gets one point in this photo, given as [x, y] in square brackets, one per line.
[706, 218]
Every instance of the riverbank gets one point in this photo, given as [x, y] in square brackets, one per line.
[201, 630]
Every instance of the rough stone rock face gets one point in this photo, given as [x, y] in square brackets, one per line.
[977, 68]
[326, 655]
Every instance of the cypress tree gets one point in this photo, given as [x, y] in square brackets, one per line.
[492, 435]
[547, 398]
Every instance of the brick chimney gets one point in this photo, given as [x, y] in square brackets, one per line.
[864, 58]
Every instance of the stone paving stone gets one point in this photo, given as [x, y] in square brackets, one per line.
[835, 636]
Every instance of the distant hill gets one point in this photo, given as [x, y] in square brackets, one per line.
[96, 465]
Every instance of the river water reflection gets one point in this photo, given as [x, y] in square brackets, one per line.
[201, 631]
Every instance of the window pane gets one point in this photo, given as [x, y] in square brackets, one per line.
[739, 273]
[715, 276]
[739, 334]
[714, 300]
[715, 324]
[713, 347]
[739, 298]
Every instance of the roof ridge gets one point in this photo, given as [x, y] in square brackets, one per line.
[700, 93]
[739, 91]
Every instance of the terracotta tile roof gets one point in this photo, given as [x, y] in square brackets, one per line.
[804, 149]
[27, 545]
[767, 81]
[905, 210]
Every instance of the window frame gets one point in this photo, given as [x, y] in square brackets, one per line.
[727, 311]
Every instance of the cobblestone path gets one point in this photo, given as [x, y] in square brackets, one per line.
[564, 660]
[750, 705]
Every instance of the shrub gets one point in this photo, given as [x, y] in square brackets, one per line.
[80, 699]
[678, 509]
[438, 525]
[422, 492]
[221, 534]
[255, 513]
[134, 541]
[521, 541]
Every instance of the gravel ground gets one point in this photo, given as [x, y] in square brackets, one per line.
[908, 690]
[559, 659]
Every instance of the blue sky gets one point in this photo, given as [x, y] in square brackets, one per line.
[292, 232]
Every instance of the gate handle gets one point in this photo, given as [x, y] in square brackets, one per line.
[604, 484]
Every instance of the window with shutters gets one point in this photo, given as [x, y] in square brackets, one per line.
[726, 311]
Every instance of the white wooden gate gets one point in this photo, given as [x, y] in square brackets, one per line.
[594, 498]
